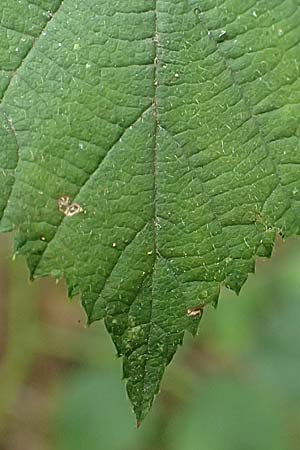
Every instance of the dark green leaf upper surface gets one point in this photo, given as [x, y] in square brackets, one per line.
[149, 151]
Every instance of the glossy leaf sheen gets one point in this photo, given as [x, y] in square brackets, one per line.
[149, 152]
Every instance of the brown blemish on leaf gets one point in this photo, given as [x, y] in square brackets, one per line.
[63, 203]
[195, 311]
[67, 208]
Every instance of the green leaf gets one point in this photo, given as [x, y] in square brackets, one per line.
[149, 152]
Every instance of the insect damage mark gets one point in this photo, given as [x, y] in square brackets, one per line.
[195, 311]
[67, 208]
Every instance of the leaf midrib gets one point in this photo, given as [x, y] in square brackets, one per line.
[139, 414]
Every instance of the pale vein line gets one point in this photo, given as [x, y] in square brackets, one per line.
[140, 117]
[155, 188]
[35, 40]
[155, 113]
[107, 279]
[9, 120]
[248, 108]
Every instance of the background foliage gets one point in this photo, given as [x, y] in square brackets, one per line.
[236, 386]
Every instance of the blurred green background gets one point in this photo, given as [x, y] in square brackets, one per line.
[235, 387]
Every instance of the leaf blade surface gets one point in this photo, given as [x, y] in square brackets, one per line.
[174, 125]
